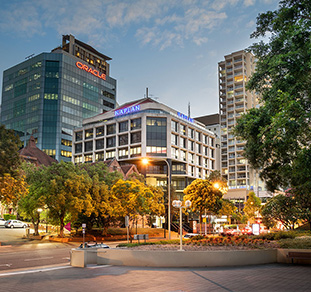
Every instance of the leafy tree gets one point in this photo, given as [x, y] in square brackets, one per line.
[9, 156]
[227, 209]
[278, 132]
[301, 184]
[12, 183]
[203, 196]
[102, 170]
[12, 189]
[65, 188]
[252, 206]
[29, 203]
[280, 208]
[133, 198]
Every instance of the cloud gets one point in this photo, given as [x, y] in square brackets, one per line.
[249, 2]
[158, 23]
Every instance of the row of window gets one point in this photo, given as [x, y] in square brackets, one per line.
[109, 129]
[191, 133]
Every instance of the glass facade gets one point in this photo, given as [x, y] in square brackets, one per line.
[48, 96]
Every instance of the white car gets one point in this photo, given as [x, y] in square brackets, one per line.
[2, 222]
[15, 224]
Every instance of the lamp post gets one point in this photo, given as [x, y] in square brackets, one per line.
[169, 177]
[178, 204]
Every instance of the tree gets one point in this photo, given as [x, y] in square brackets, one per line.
[9, 156]
[12, 183]
[301, 184]
[252, 206]
[65, 188]
[227, 209]
[203, 196]
[279, 131]
[280, 208]
[31, 201]
[133, 198]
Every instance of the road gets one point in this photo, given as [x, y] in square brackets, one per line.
[17, 252]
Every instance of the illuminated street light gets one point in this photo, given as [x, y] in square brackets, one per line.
[169, 176]
[178, 204]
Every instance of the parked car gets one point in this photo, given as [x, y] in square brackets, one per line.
[2, 222]
[189, 235]
[15, 224]
[231, 231]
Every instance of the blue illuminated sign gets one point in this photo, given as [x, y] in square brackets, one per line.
[127, 110]
[185, 117]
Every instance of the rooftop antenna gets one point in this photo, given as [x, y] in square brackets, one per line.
[189, 110]
[146, 92]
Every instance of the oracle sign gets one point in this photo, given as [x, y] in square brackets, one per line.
[90, 70]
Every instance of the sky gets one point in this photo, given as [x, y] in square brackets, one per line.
[171, 47]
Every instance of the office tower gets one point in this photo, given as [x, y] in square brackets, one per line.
[234, 100]
[49, 94]
[147, 128]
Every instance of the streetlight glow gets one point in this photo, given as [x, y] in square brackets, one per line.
[216, 185]
[145, 161]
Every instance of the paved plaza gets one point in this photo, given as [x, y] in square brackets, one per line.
[273, 277]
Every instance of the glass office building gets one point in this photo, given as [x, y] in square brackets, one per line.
[48, 95]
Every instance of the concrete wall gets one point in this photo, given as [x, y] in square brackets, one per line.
[185, 258]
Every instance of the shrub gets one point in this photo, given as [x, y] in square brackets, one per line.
[9, 216]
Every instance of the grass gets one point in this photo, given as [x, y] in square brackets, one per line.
[296, 243]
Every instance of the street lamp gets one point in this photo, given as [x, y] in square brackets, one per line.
[178, 204]
[169, 176]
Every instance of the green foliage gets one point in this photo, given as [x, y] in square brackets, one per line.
[280, 208]
[279, 131]
[296, 243]
[9, 216]
[252, 206]
[227, 208]
[9, 156]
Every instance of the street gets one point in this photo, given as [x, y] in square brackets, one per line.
[17, 252]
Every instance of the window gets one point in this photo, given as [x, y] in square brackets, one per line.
[78, 148]
[136, 124]
[174, 126]
[198, 147]
[88, 158]
[183, 155]
[78, 159]
[135, 151]
[123, 139]
[190, 133]
[183, 129]
[174, 153]
[174, 139]
[100, 131]
[190, 145]
[100, 144]
[198, 136]
[183, 142]
[190, 158]
[110, 154]
[89, 134]
[111, 129]
[79, 136]
[66, 142]
[111, 142]
[99, 156]
[88, 146]
[135, 137]
[156, 135]
[123, 126]
[123, 153]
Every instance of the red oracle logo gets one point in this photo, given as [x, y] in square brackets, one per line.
[90, 70]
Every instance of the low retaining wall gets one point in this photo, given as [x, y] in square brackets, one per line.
[152, 258]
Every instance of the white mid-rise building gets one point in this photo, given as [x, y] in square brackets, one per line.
[147, 128]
